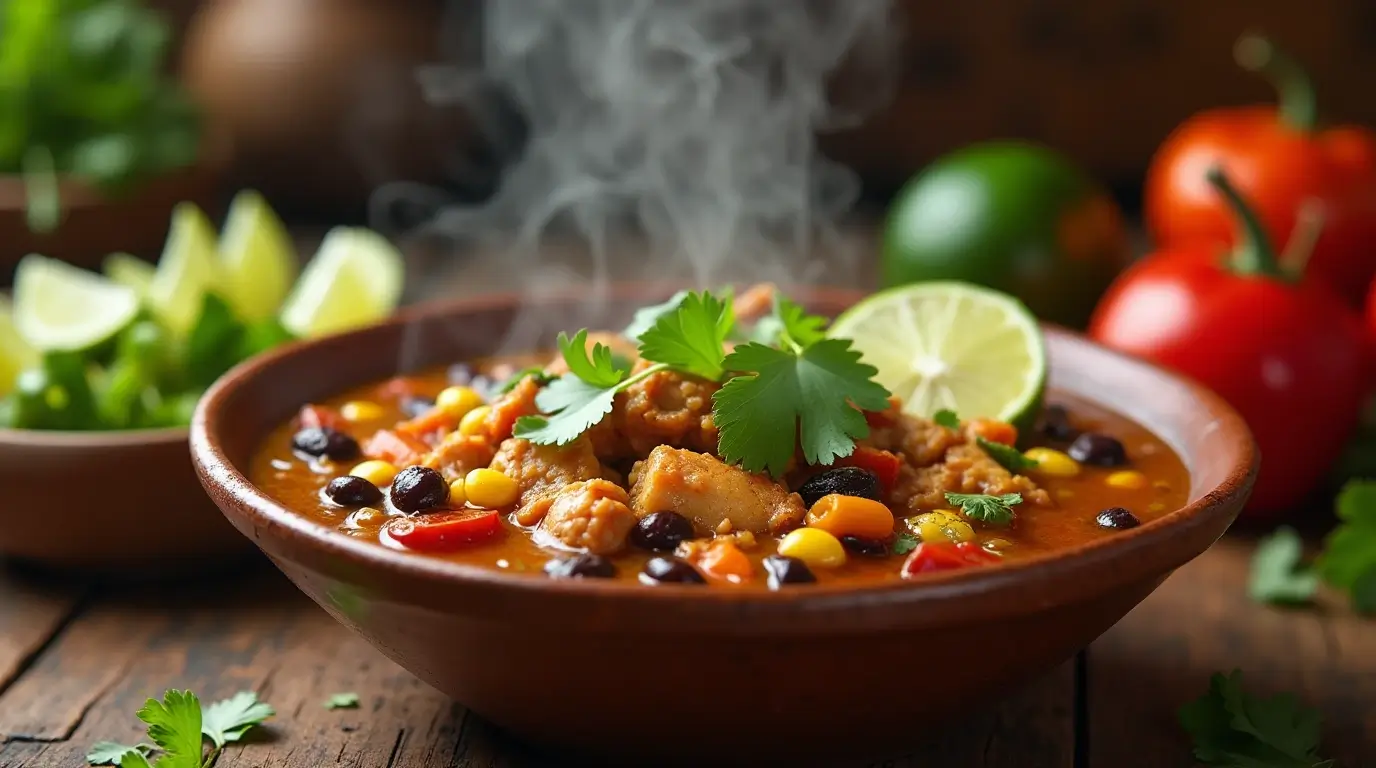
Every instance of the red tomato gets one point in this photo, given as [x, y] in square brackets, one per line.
[320, 416]
[444, 531]
[944, 557]
[883, 464]
[1290, 357]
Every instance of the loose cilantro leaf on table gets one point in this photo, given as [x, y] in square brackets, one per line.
[1349, 558]
[344, 700]
[1007, 456]
[1277, 574]
[690, 339]
[176, 726]
[904, 543]
[110, 753]
[1231, 727]
[228, 720]
[994, 510]
[946, 418]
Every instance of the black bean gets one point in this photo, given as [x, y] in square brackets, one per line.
[351, 491]
[670, 570]
[416, 406]
[1055, 424]
[661, 531]
[1118, 519]
[416, 489]
[871, 547]
[787, 570]
[583, 566]
[325, 442]
[847, 481]
[1099, 450]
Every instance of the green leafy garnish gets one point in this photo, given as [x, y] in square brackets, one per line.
[110, 753]
[345, 700]
[177, 725]
[994, 510]
[1007, 456]
[1348, 561]
[541, 378]
[646, 317]
[597, 369]
[174, 724]
[690, 338]
[228, 720]
[946, 418]
[1277, 575]
[1233, 728]
[904, 543]
[797, 325]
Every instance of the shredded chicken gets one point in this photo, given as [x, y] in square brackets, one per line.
[542, 470]
[590, 515]
[711, 494]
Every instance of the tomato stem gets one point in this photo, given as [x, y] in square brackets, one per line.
[1298, 105]
[1254, 254]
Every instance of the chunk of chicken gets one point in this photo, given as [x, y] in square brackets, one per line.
[589, 516]
[618, 344]
[966, 468]
[506, 409]
[541, 470]
[921, 441]
[457, 455]
[666, 408]
[711, 494]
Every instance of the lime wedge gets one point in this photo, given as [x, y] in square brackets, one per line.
[354, 280]
[129, 271]
[951, 345]
[15, 353]
[186, 270]
[60, 307]
[257, 259]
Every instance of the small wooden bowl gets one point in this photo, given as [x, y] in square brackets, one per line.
[125, 502]
[716, 676]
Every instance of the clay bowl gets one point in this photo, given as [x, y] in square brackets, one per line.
[118, 502]
[699, 676]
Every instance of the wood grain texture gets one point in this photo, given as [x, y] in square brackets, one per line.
[1200, 622]
[31, 611]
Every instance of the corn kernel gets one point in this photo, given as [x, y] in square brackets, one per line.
[1052, 462]
[1128, 479]
[376, 471]
[457, 495]
[813, 546]
[360, 410]
[458, 401]
[474, 421]
[490, 489]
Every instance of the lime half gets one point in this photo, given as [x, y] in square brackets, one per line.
[60, 307]
[354, 280]
[186, 270]
[257, 259]
[129, 271]
[15, 353]
[951, 345]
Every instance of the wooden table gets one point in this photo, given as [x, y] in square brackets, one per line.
[77, 659]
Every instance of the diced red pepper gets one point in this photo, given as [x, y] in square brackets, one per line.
[886, 417]
[445, 531]
[994, 431]
[883, 464]
[401, 450]
[320, 416]
[433, 420]
[945, 557]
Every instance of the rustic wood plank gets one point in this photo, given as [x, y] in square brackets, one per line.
[32, 609]
[1199, 622]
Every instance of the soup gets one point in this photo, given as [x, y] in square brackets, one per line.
[432, 465]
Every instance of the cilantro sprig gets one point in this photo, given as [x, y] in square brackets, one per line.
[1278, 574]
[994, 510]
[1231, 727]
[177, 726]
[1347, 563]
[1007, 456]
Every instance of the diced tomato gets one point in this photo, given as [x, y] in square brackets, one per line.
[886, 417]
[995, 431]
[320, 416]
[445, 531]
[944, 557]
[401, 450]
[433, 420]
[883, 464]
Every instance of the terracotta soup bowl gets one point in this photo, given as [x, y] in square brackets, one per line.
[709, 677]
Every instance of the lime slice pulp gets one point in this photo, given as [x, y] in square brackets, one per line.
[257, 259]
[354, 280]
[59, 307]
[951, 345]
[129, 271]
[186, 270]
[15, 353]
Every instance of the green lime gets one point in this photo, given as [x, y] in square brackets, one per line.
[130, 271]
[186, 270]
[1011, 216]
[60, 307]
[951, 345]
[257, 259]
[354, 280]
[15, 353]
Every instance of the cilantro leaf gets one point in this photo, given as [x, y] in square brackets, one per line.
[1007, 456]
[174, 724]
[1276, 573]
[797, 325]
[575, 406]
[228, 720]
[1349, 558]
[691, 337]
[344, 700]
[599, 369]
[646, 317]
[813, 394]
[110, 753]
[136, 760]
[946, 418]
[765, 331]
[1230, 727]
[541, 378]
[994, 510]
[904, 543]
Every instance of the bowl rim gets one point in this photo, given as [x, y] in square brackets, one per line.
[1031, 579]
